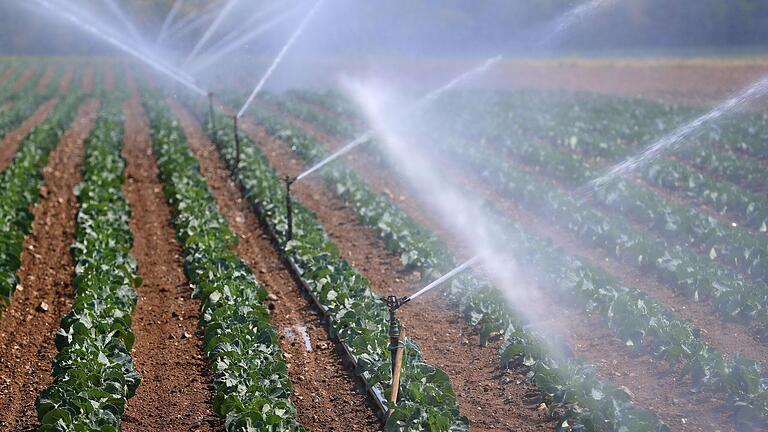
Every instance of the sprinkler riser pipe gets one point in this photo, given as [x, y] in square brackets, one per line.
[289, 206]
[396, 347]
[397, 366]
[210, 114]
[237, 144]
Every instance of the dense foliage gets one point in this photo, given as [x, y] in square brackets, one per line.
[94, 372]
[249, 369]
[358, 317]
[565, 383]
[635, 318]
[19, 189]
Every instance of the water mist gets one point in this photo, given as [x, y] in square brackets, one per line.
[460, 215]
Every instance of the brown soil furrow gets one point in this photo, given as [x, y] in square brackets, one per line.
[66, 79]
[7, 74]
[492, 398]
[176, 389]
[24, 78]
[325, 391]
[45, 79]
[13, 139]
[45, 293]
[587, 337]
[88, 77]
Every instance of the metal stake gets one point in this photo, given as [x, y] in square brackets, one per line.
[212, 122]
[237, 143]
[396, 347]
[289, 204]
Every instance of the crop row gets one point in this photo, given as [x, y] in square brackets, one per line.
[648, 321]
[632, 315]
[24, 104]
[6, 88]
[686, 226]
[710, 237]
[567, 384]
[249, 369]
[610, 128]
[689, 273]
[94, 372]
[357, 316]
[590, 129]
[19, 189]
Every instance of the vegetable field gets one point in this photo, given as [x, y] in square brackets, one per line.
[156, 274]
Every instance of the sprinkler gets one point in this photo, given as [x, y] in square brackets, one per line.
[237, 143]
[396, 346]
[396, 333]
[210, 113]
[289, 204]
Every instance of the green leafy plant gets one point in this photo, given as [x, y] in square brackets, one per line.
[93, 372]
[250, 373]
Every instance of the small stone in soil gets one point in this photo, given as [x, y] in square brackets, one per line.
[42, 307]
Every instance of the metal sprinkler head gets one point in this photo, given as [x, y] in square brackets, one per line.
[394, 303]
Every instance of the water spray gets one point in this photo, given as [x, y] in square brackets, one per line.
[352, 144]
[574, 15]
[119, 14]
[676, 138]
[396, 332]
[280, 55]
[419, 105]
[190, 23]
[177, 5]
[209, 32]
[235, 41]
[95, 31]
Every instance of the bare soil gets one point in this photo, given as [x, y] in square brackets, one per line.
[12, 140]
[325, 391]
[44, 295]
[492, 398]
[176, 389]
